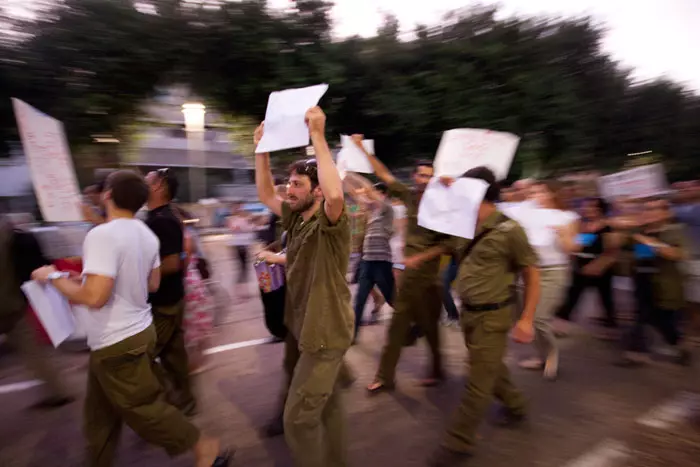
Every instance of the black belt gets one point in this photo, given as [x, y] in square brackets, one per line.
[487, 306]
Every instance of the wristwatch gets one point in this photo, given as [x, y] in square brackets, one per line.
[57, 275]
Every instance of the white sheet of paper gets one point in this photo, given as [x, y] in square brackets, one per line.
[452, 210]
[465, 148]
[538, 223]
[50, 163]
[52, 309]
[285, 125]
[351, 159]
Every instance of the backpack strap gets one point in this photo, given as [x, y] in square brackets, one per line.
[468, 249]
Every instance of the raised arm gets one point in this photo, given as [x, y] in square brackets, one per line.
[379, 169]
[328, 176]
[264, 181]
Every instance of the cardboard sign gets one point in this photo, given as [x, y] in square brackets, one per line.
[465, 148]
[50, 164]
[640, 182]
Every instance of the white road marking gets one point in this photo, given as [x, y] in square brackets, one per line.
[671, 412]
[237, 345]
[606, 454]
[21, 386]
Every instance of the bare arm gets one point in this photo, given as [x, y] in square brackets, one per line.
[94, 292]
[666, 251]
[264, 181]
[328, 176]
[154, 280]
[531, 279]
[170, 264]
[379, 168]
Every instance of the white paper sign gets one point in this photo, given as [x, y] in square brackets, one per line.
[640, 182]
[539, 224]
[285, 125]
[50, 163]
[465, 148]
[352, 159]
[52, 309]
[452, 210]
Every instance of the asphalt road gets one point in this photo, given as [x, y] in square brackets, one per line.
[594, 415]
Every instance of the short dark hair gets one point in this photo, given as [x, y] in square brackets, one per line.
[307, 167]
[493, 192]
[381, 187]
[129, 190]
[601, 204]
[423, 163]
[170, 180]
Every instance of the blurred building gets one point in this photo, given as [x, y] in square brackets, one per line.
[16, 190]
[222, 170]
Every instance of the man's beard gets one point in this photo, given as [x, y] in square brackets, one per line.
[303, 205]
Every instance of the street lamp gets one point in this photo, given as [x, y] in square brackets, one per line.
[194, 126]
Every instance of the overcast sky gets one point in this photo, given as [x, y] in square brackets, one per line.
[656, 37]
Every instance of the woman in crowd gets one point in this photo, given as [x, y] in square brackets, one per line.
[243, 236]
[199, 303]
[595, 253]
[554, 276]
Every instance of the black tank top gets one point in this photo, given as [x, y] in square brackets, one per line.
[593, 246]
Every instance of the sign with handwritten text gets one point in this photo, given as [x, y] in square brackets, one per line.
[640, 182]
[50, 163]
[465, 148]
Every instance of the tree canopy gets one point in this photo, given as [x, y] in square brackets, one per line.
[91, 63]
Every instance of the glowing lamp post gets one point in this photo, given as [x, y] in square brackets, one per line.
[194, 126]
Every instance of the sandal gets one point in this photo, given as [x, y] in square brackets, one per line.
[378, 387]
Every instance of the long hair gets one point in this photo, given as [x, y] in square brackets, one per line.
[556, 189]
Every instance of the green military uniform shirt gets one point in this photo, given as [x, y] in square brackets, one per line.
[418, 239]
[669, 279]
[317, 304]
[488, 274]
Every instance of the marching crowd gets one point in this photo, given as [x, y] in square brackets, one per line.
[149, 318]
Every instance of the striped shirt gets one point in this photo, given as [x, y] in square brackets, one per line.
[378, 233]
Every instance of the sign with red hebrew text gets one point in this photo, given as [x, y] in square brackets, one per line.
[50, 164]
[465, 148]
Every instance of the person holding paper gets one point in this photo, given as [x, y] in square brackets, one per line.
[554, 276]
[318, 313]
[121, 265]
[489, 264]
[419, 298]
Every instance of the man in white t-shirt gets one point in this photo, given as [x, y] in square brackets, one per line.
[121, 264]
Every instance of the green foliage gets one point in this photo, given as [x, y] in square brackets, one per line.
[91, 63]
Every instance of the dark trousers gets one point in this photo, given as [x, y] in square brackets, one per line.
[663, 320]
[448, 278]
[579, 283]
[170, 349]
[242, 255]
[123, 388]
[273, 306]
[371, 274]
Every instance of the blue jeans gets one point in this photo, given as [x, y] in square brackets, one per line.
[370, 274]
[448, 278]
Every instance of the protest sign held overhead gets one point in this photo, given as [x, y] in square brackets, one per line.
[465, 148]
[285, 123]
[50, 164]
[640, 182]
[352, 159]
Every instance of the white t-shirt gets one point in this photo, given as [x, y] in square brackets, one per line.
[243, 231]
[551, 254]
[127, 251]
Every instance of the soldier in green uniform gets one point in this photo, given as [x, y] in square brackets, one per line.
[419, 298]
[499, 252]
[318, 313]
